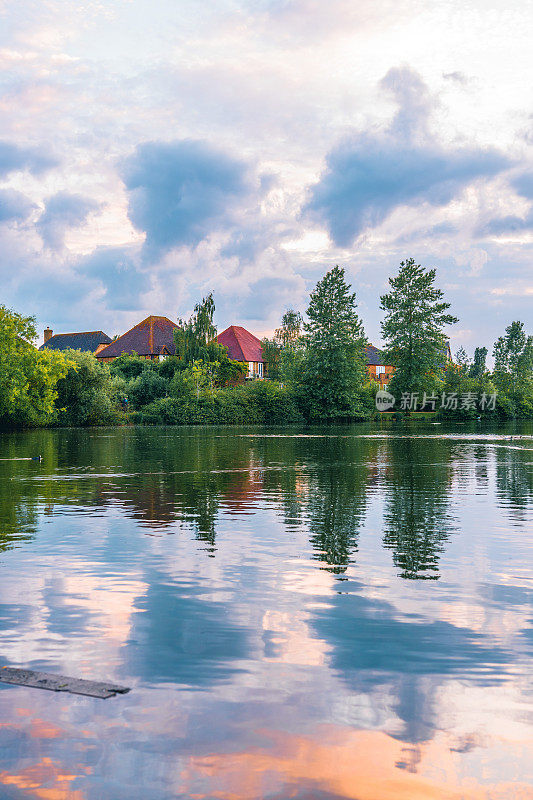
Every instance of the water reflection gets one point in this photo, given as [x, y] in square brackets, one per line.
[266, 595]
[417, 492]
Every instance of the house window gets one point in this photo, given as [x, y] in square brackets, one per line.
[260, 369]
[250, 368]
[380, 370]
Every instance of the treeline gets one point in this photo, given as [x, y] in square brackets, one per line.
[316, 368]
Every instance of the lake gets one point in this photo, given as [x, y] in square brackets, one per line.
[321, 614]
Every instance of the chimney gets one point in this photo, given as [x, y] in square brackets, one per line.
[48, 333]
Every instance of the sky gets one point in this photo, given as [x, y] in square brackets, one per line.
[152, 152]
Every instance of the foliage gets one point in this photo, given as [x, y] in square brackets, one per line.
[88, 394]
[196, 340]
[129, 366]
[284, 351]
[334, 367]
[168, 367]
[271, 350]
[28, 377]
[513, 371]
[413, 329]
[258, 402]
[145, 388]
[229, 372]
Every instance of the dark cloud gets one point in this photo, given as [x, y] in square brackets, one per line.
[180, 192]
[367, 176]
[509, 224]
[117, 269]
[14, 158]
[63, 211]
[14, 206]
[524, 185]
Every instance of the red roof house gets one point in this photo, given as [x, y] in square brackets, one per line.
[152, 338]
[245, 347]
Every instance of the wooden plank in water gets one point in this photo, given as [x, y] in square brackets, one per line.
[60, 683]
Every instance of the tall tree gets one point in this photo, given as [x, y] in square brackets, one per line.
[282, 353]
[478, 367]
[197, 338]
[513, 369]
[334, 368]
[413, 328]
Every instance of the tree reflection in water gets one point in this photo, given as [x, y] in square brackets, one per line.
[417, 520]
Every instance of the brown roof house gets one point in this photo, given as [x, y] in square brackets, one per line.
[245, 347]
[378, 369]
[153, 339]
[88, 341]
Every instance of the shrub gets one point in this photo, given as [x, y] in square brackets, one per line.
[88, 394]
[146, 388]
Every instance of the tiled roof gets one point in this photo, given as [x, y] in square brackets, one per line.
[374, 357]
[242, 345]
[149, 338]
[88, 341]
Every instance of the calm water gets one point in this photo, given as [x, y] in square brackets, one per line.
[326, 614]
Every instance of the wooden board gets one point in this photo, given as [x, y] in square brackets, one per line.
[60, 683]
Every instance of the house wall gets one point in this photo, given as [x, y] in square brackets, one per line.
[385, 376]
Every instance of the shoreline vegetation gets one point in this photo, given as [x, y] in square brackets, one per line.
[316, 369]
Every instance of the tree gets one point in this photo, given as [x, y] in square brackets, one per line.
[513, 368]
[28, 377]
[271, 350]
[413, 329]
[334, 368]
[290, 333]
[196, 339]
[88, 394]
[145, 388]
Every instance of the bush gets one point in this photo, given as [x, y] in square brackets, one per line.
[255, 403]
[130, 367]
[88, 394]
[146, 388]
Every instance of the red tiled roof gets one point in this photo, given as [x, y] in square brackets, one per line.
[242, 345]
[148, 338]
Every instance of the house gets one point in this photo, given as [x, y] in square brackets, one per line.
[243, 346]
[88, 341]
[378, 369]
[153, 339]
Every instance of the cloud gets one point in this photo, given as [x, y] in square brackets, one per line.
[14, 158]
[509, 224]
[181, 192]
[117, 270]
[524, 185]
[63, 211]
[368, 176]
[14, 206]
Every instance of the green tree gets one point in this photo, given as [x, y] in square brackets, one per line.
[284, 351]
[145, 388]
[513, 369]
[413, 329]
[88, 394]
[130, 366]
[196, 339]
[478, 368]
[28, 377]
[271, 350]
[334, 368]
